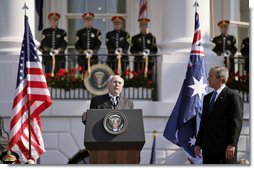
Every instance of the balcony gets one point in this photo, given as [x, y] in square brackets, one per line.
[239, 75]
[67, 83]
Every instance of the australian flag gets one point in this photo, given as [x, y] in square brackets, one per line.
[183, 123]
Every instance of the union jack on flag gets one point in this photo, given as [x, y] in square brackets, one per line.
[142, 9]
[31, 93]
[183, 123]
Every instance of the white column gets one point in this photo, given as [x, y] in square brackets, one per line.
[177, 22]
[178, 31]
[12, 23]
[11, 35]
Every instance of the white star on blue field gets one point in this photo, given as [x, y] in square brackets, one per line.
[198, 87]
[192, 141]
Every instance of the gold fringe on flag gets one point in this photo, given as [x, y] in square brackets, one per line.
[89, 54]
[119, 64]
[53, 54]
[145, 56]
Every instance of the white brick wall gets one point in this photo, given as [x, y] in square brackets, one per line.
[63, 132]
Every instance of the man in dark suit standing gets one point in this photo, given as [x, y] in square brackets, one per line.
[111, 100]
[221, 121]
[54, 41]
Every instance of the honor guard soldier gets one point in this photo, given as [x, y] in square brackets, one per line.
[245, 53]
[225, 44]
[88, 40]
[117, 40]
[54, 42]
[143, 42]
[9, 157]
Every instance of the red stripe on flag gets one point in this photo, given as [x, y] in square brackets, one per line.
[37, 71]
[197, 51]
[35, 84]
[19, 96]
[39, 100]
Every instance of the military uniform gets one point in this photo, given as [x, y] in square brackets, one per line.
[139, 43]
[225, 44]
[88, 38]
[117, 39]
[245, 52]
[9, 157]
[53, 38]
[229, 41]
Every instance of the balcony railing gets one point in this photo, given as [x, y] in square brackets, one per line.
[239, 75]
[68, 82]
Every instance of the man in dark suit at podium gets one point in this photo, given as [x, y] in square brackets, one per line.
[111, 100]
[221, 121]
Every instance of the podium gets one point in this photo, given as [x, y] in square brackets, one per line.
[114, 136]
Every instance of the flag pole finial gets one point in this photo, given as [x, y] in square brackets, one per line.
[154, 133]
[196, 5]
[25, 7]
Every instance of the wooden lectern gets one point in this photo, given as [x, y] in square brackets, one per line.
[110, 148]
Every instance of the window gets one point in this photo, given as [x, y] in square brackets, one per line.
[103, 10]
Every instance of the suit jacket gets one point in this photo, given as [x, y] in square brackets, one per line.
[103, 102]
[221, 126]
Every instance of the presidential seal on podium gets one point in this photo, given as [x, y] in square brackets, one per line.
[96, 80]
[115, 122]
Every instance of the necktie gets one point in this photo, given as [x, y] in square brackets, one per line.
[212, 100]
[114, 101]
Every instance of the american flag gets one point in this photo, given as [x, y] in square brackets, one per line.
[183, 123]
[142, 9]
[31, 93]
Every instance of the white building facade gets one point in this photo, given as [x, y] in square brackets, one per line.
[172, 22]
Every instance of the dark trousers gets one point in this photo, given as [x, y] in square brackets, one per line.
[218, 158]
[112, 62]
[139, 66]
[82, 61]
[60, 64]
